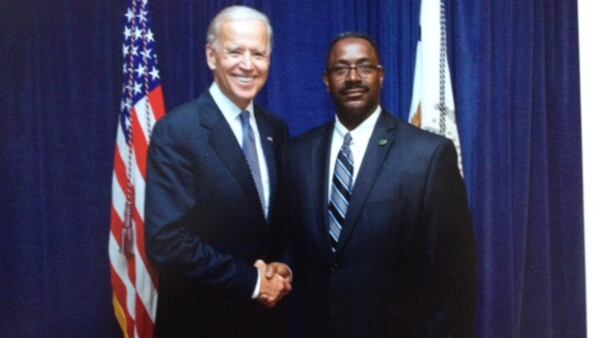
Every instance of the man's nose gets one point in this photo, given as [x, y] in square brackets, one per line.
[246, 61]
[353, 75]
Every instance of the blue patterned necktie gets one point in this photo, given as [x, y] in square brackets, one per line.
[249, 149]
[341, 190]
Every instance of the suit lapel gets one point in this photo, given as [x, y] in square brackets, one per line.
[267, 139]
[319, 182]
[377, 150]
[225, 145]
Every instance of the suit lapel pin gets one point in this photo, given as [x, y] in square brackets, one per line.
[383, 142]
[270, 138]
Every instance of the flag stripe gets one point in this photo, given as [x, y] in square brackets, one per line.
[137, 180]
[119, 263]
[126, 320]
[141, 245]
[132, 276]
[140, 145]
[119, 302]
[145, 280]
[143, 322]
[140, 186]
[156, 108]
[119, 177]
[116, 223]
[157, 102]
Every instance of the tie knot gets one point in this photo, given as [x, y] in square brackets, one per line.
[347, 139]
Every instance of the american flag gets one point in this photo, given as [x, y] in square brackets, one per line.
[133, 280]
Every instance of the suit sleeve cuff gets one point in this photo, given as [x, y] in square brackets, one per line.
[256, 291]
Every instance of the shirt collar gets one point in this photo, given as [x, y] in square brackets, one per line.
[227, 107]
[363, 130]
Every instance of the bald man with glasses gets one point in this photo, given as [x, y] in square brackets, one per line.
[382, 241]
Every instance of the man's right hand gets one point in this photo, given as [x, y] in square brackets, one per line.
[273, 287]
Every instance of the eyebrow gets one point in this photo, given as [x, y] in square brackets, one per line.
[359, 61]
[237, 48]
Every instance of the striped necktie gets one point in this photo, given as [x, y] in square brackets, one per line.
[341, 190]
[249, 149]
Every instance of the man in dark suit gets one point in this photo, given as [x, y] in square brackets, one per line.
[381, 234]
[212, 182]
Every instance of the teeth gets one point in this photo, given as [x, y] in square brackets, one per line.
[244, 79]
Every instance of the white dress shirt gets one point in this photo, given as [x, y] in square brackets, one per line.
[360, 139]
[231, 112]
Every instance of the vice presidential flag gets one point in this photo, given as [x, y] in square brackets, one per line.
[432, 106]
[133, 280]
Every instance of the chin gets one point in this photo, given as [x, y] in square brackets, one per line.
[246, 94]
[354, 106]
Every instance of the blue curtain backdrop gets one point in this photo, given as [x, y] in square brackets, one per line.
[515, 72]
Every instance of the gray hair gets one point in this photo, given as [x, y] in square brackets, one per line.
[236, 13]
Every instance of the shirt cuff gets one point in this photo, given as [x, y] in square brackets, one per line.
[257, 286]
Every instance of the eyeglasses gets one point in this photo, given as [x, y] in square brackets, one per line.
[363, 70]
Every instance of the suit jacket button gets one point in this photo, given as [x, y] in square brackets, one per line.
[334, 267]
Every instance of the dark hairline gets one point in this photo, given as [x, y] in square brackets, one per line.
[353, 35]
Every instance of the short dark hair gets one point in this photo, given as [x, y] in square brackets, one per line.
[353, 35]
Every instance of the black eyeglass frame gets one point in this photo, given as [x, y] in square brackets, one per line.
[362, 69]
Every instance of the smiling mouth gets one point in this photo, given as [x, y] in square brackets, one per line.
[244, 79]
[354, 93]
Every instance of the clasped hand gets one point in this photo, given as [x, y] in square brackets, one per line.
[275, 282]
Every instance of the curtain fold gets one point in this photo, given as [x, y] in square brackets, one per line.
[516, 74]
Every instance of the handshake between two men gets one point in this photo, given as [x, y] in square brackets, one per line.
[275, 282]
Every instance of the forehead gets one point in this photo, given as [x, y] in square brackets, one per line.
[352, 49]
[244, 32]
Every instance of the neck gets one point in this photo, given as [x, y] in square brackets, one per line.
[242, 104]
[353, 119]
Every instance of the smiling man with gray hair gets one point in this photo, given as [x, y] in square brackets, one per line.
[212, 183]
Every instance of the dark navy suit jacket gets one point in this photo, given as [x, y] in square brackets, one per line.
[404, 266]
[204, 222]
